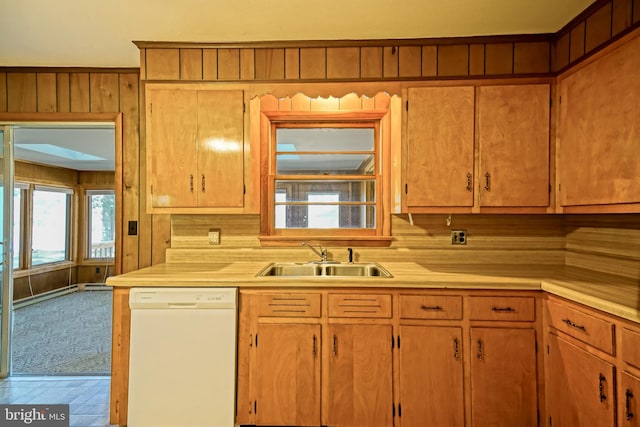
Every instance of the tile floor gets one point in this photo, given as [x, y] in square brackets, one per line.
[88, 397]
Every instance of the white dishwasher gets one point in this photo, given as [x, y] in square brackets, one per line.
[182, 367]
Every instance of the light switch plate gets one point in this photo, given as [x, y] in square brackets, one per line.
[214, 236]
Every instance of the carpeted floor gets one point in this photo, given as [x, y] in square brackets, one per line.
[69, 334]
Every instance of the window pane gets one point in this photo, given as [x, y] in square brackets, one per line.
[323, 216]
[348, 191]
[102, 225]
[50, 226]
[324, 139]
[325, 164]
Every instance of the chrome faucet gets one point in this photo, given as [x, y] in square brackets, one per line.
[322, 253]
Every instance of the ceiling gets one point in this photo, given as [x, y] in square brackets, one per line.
[91, 33]
[71, 146]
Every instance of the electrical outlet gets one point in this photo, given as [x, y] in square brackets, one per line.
[214, 236]
[458, 237]
[132, 228]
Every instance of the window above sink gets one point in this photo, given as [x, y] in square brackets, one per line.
[326, 172]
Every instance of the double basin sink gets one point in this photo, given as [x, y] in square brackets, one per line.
[323, 269]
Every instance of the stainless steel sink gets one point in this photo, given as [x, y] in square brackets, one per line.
[312, 269]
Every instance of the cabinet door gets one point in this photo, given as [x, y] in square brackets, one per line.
[503, 377]
[288, 375]
[431, 376]
[598, 131]
[628, 401]
[220, 148]
[513, 126]
[171, 152]
[440, 131]
[579, 386]
[360, 384]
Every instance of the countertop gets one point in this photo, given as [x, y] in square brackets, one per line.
[612, 294]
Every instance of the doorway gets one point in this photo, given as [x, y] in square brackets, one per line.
[47, 141]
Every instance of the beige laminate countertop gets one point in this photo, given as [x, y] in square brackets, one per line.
[612, 294]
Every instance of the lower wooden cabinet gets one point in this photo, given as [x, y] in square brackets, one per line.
[407, 359]
[579, 385]
[503, 377]
[431, 376]
[288, 387]
[360, 391]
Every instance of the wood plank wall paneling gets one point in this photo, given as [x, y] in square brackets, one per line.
[598, 28]
[622, 16]
[39, 90]
[39, 283]
[336, 62]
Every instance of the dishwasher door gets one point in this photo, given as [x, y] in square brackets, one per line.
[182, 366]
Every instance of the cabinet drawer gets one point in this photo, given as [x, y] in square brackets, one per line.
[630, 347]
[519, 309]
[430, 307]
[367, 305]
[581, 325]
[289, 305]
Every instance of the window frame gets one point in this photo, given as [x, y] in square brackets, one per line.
[376, 119]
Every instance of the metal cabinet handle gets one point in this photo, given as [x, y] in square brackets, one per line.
[191, 183]
[487, 181]
[628, 395]
[202, 183]
[601, 382]
[456, 344]
[335, 346]
[573, 325]
[314, 351]
[469, 182]
[502, 309]
[430, 307]
[480, 350]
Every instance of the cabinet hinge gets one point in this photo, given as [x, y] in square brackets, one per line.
[151, 108]
[244, 189]
[392, 342]
[406, 189]
[399, 409]
[398, 342]
[256, 340]
[547, 349]
[255, 406]
[535, 344]
[407, 106]
[550, 421]
[393, 410]
[244, 107]
[559, 188]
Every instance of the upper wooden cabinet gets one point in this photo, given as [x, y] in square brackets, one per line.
[513, 140]
[598, 134]
[195, 149]
[440, 147]
[476, 149]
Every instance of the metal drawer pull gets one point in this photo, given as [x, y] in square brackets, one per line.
[628, 395]
[601, 381]
[503, 309]
[573, 325]
[469, 186]
[335, 346]
[314, 352]
[430, 307]
[480, 350]
[456, 353]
